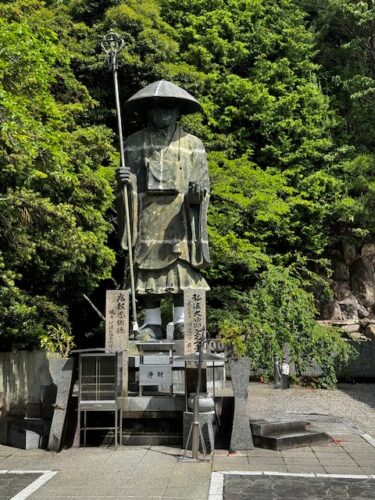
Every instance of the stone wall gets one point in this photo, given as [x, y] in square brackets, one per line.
[23, 375]
[353, 285]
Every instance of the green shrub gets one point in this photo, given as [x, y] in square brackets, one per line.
[281, 314]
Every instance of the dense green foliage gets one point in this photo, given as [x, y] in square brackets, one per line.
[345, 36]
[279, 318]
[287, 93]
[52, 193]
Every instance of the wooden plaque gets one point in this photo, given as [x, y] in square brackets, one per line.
[117, 329]
[195, 318]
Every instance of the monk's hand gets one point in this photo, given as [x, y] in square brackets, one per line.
[123, 175]
[195, 194]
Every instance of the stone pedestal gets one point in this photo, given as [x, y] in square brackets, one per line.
[241, 438]
[61, 372]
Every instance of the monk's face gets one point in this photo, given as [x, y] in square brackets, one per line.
[163, 117]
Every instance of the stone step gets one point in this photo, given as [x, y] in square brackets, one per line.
[290, 440]
[262, 428]
[150, 439]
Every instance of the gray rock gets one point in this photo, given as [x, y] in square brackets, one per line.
[351, 328]
[341, 271]
[332, 310]
[368, 250]
[341, 290]
[362, 311]
[365, 321]
[370, 332]
[349, 252]
[349, 308]
[362, 281]
[357, 336]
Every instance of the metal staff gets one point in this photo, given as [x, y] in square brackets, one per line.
[112, 44]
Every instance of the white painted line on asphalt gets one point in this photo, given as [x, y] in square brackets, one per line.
[242, 473]
[293, 474]
[369, 439]
[217, 478]
[27, 471]
[345, 476]
[35, 485]
[216, 486]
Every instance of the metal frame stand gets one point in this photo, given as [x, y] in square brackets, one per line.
[98, 391]
[195, 430]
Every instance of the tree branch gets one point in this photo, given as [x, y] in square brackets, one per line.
[94, 307]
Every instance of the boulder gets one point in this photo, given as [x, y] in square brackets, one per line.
[362, 311]
[351, 328]
[370, 332]
[357, 336]
[332, 310]
[349, 308]
[341, 271]
[341, 290]
[349, 252]
[368, 250]
[362, 281]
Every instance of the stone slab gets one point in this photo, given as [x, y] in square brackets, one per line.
[241, 438]
[61, 372]
[152, 403]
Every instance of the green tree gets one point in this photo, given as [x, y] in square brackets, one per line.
[265, 122]
[345, 35]
[53, 189]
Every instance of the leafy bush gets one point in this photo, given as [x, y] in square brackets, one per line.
[281, 313]
[57, 340]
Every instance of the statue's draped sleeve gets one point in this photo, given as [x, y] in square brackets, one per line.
[132, 189]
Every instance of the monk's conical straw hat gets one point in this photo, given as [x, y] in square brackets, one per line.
[162, 92]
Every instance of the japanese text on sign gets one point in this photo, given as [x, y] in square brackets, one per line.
[117, 320]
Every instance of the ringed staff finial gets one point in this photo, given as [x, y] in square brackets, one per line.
[112, 44]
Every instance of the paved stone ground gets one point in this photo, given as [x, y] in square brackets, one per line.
[285, 488]
[11, 484]
[350, 454]
[349, 403]
[155, 473]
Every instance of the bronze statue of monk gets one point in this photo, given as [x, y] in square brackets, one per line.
[168, 184]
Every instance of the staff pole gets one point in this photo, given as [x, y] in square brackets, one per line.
[112, 44]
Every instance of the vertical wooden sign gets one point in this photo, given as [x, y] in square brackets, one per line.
[117, 329]
[195, 318]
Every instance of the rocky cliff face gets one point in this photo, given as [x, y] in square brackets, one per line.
[353, 306]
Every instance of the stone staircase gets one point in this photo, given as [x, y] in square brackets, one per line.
[283, 435]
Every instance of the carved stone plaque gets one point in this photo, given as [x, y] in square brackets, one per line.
[117, 329]
[155, 375]
[195, 318]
